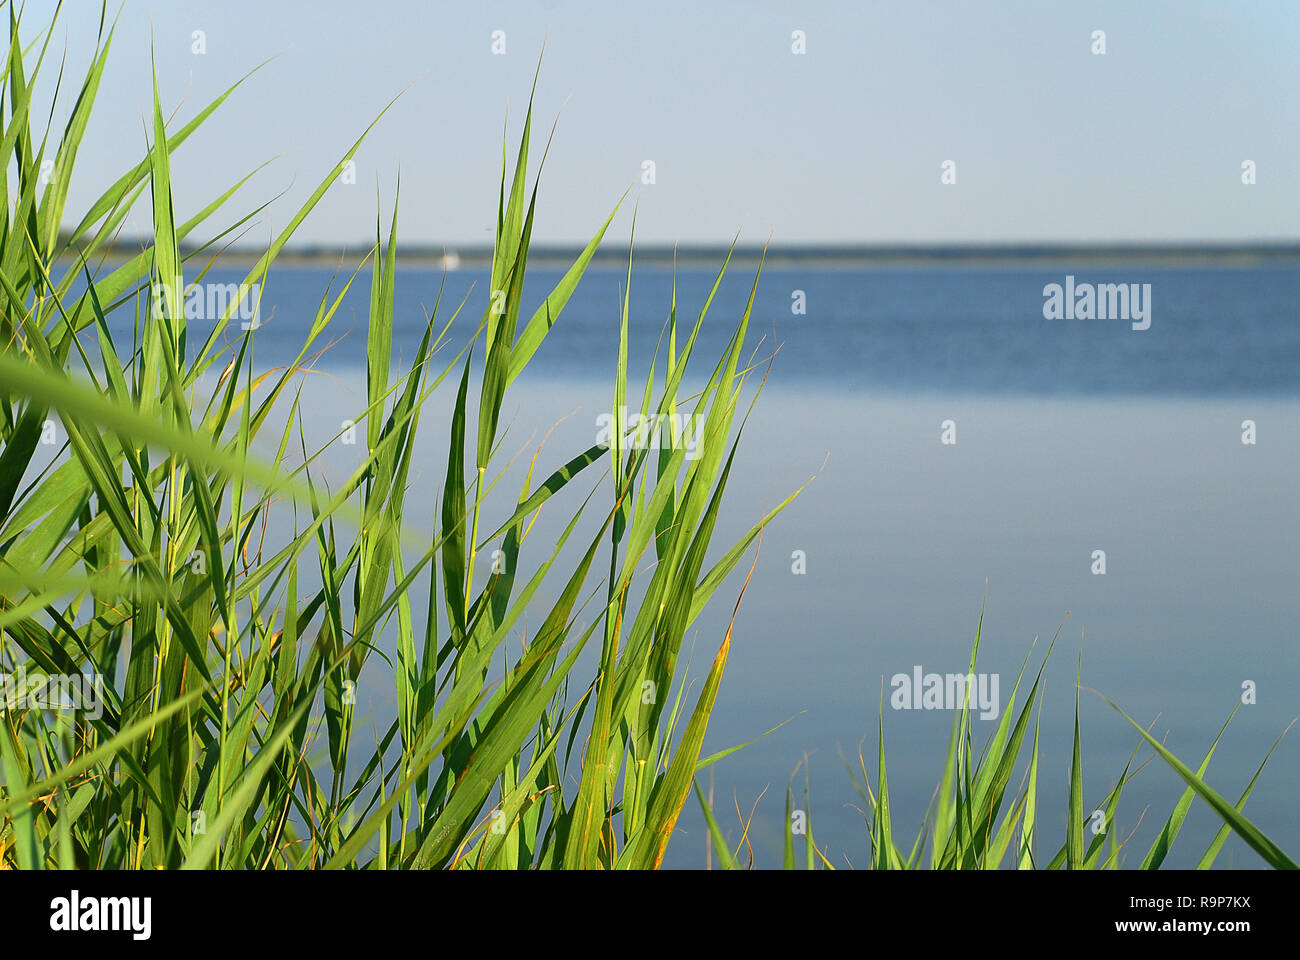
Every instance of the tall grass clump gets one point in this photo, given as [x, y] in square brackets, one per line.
[982, 817]
[230, 602]
[138, 553]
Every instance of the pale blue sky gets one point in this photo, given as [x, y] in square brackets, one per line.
[843, 144]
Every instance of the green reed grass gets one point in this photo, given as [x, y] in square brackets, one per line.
[228, 736]
[978, 821]
[138, 555]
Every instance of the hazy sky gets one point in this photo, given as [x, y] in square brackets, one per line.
[842, 143]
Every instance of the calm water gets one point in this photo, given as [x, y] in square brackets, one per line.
[970, 330]
[1072, 436]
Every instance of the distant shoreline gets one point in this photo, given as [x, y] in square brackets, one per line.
[613, 254]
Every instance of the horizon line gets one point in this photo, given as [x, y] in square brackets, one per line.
[611, 251]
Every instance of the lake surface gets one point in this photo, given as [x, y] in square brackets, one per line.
[1072, 436]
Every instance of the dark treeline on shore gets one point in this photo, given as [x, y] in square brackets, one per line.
[787, 255]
